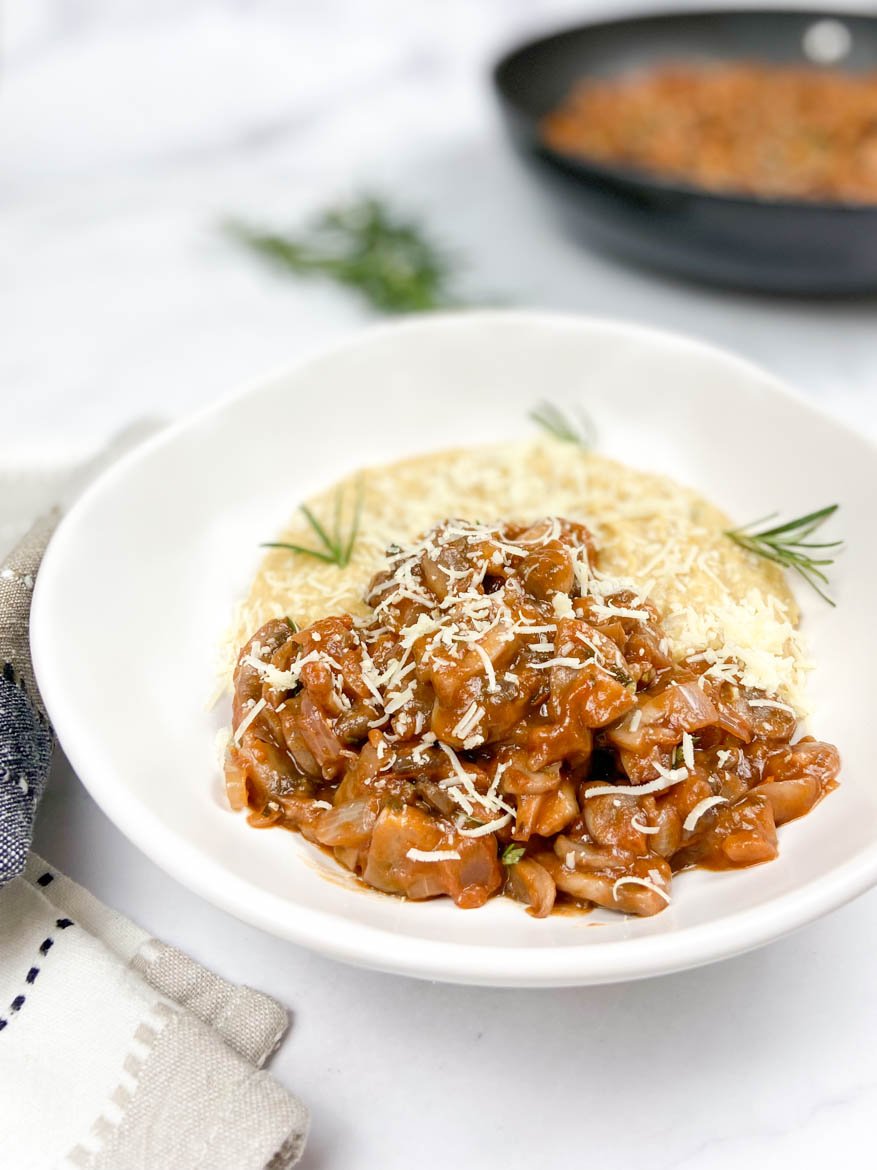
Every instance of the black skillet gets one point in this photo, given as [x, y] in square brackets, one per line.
[769, 245]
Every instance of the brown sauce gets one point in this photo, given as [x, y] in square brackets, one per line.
[508, 721]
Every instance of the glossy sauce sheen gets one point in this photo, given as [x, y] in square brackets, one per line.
[508, 720]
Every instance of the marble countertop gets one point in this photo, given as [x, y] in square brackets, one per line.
[128, 131]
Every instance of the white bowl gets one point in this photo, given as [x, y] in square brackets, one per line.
[139, 582]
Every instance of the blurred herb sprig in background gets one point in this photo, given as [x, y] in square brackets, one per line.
[390, 259]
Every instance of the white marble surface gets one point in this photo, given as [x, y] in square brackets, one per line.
[128, 129]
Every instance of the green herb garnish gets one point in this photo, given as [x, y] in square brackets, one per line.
[578, 428]
[512, 854]
[787, 545]
[336, 549]
[390, 260]
[621, 676]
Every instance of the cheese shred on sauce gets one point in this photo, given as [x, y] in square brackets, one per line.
[433, 855]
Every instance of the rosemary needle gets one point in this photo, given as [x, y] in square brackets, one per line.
[334, 549]
[787, 545]
[579, 429]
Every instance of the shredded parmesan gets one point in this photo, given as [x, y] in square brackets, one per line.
[563, 605]
[771, 703]
[699, 809]
[574, 662]
[248, 719]
[470, 719]
[280, 680]
[488, 667]
[638, 881]
[674, 774]
[636, 823]
[490, 827]
[610, 611]
[688, 751]
[668, 777]
[433, 855]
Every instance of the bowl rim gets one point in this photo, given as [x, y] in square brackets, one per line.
[589, 170]
[364, 944]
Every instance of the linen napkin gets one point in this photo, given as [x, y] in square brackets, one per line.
[117, 1052]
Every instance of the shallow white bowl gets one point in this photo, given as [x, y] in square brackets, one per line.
[139, 582]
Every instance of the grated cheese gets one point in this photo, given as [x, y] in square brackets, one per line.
[488, 668]
[610, 611]
[771, 703]
[470, 717]
[667, 779]
[433, 855]
[574, 662]
[675, 774]
[699, 809]
[248, 719]
[490, 827]
[563, 606]
[461, 799]
[638, 881]
[643, 827]
[688, 751]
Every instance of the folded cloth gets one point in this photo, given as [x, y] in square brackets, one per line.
[25, 736]
[117, 1052]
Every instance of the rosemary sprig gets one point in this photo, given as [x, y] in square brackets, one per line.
[578, 429]
[335, 549]
[389, 259]
[787, 545]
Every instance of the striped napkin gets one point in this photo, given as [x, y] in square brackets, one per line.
[117, 1051]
